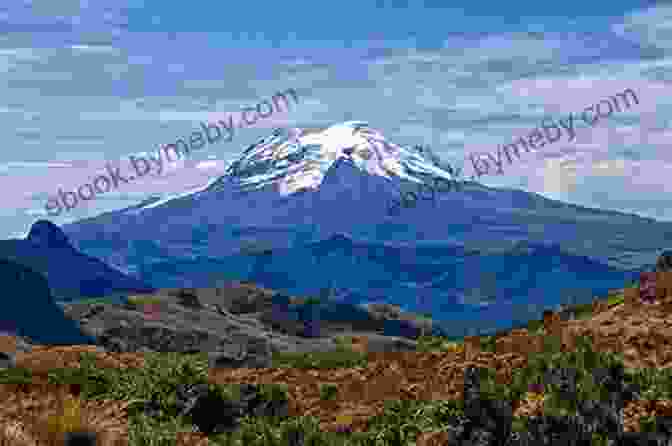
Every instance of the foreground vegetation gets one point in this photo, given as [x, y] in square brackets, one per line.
[400, 424]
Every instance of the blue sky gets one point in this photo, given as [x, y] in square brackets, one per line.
[85, 83]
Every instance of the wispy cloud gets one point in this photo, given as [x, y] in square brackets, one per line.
[82, 87]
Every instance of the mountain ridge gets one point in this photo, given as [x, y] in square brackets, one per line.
[70, 273]
[287, 191]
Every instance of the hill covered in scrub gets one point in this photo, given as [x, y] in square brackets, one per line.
[359, 389]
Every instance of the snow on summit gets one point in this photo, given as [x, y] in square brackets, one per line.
[298, 159]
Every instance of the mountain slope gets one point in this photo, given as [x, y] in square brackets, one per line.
[70, 274]
[299, 187]
[469, 290]
[29, 309]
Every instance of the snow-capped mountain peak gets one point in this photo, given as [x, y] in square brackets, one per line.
[297, 159]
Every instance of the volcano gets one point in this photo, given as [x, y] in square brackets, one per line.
[305, 209]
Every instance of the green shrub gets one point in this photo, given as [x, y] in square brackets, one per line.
[488, 343]
[583, 311]
[656, 384]
[436, 343]
[648, 424]
[274, 392]
[15, 375]
[328, 391]
[535, 326]
[615, 299]
[343, 342]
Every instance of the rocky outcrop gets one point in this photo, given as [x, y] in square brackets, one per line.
[235, 297]
[7, 360]
[238, 326]
[664, 262]
[187, 297]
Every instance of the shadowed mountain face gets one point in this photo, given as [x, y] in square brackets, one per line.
[28, 309]
[70, 274]
[462, 290]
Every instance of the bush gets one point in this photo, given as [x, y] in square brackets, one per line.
[328, 391]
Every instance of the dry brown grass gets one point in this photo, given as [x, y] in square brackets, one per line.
[37, 415]
[643, 333]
